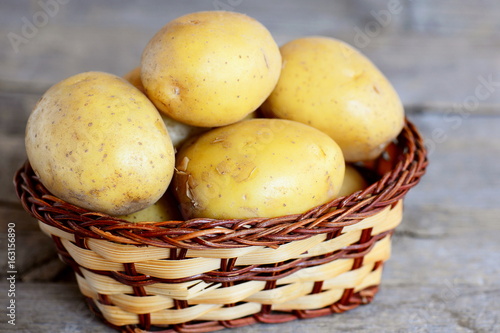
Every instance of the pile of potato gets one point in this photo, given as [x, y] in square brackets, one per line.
[218, 121]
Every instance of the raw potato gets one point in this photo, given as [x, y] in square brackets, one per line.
[164, 209]
[329, 85]
[257, 168]
[353, 181]
[97, 142]
[178, 131]
[210, 68]
[134, 77]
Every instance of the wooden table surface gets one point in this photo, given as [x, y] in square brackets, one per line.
[442, 57]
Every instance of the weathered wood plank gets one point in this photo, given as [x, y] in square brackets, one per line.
[423, 65]
[441, 57]
[13, 116]
[64, 44]
[463, 144]
[464, 153]
[462, 176]
[448, 17]
[442, 276]
[35, 255]
[405, 307]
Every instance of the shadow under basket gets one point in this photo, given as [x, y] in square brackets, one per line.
[203, 275]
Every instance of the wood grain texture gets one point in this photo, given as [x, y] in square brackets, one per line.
[443, 274]
[448, 308]
[442, 278]
[429, 52]
[441, 57]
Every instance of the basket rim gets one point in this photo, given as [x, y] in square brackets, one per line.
[200, 233]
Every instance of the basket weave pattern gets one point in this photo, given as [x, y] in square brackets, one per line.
[203, 275]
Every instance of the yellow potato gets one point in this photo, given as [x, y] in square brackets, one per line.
[210, 68]
[97, 142]
[353, 181]
[178, 131]
[134, 77]
[257, 168]
[164, 209]
[329, 85]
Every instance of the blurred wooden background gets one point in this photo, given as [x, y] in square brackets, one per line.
[430, 50]
[442, 57]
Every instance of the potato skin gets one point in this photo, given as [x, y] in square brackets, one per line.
[210, 68]
[134, 77]
[164, 209]
[329, 85]
[257, 168]
[353, 181]
[178, 132]
[97, 142]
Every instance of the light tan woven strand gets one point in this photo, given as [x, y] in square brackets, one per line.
[263, 256]
[228, 295]
[131, 253]
[234, 312]
[129, 303]
[325, 298]
[182, 291]
[90, 259]
[174, 269]
[53, 231]
[294, 295]
[207, 299]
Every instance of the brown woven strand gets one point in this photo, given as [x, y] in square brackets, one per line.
[360, 298]
[202, 233]
[72, 228]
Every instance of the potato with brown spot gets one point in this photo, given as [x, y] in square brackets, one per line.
[178, 131]
[257, 168]
[98, 142]
[210, 68]
[164, 209]
[329, 85]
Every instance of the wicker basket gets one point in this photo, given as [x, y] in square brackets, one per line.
[203, 275]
